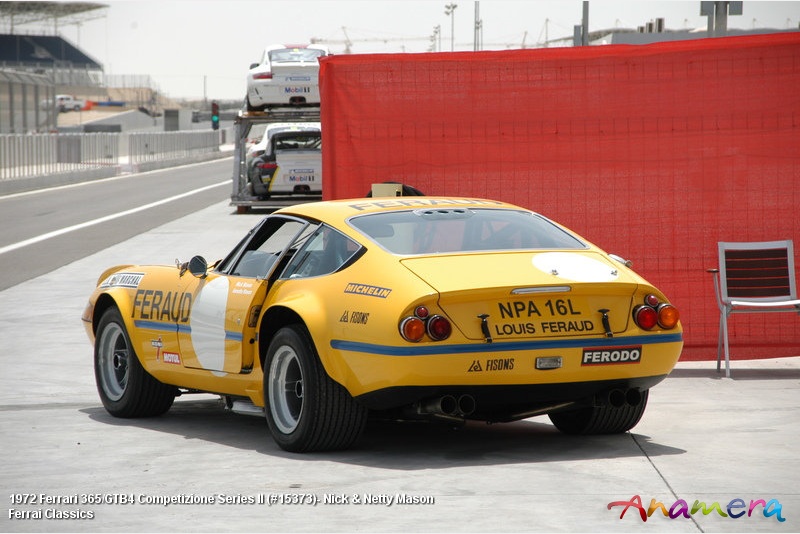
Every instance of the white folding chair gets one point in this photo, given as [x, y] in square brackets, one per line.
[753, 277]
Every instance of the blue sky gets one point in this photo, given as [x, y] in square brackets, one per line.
[192, 47]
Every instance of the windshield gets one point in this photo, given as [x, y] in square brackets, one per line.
[297, 141]
[295, 55]
[431, 231]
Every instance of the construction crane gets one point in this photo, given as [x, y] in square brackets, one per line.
[348, 43]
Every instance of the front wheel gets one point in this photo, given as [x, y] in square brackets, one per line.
[306, 410]
[125, 388]
[609, 418]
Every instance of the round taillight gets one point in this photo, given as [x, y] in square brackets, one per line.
[412, 329]
[439, 328]
[668, 316]
[651, 300]
[421, 312]
[646, 317]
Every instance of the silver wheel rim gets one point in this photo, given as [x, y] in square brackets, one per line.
[113, 354]
[286, 389]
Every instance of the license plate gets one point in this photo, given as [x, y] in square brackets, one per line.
[543, 317]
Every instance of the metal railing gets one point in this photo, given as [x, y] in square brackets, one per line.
[23, 156]
[157, 146]
[34, 155]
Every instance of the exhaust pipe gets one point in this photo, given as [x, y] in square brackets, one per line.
[619, 398]
[616, 398]
[466, 404]
[445, 405]
[633, 397]
[449, 405]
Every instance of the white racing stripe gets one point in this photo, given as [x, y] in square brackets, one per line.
[56, 233]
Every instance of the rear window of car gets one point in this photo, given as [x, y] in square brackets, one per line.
[297, 141]
[452, 230]
[292, 55]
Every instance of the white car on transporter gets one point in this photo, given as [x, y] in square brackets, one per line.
[285, 75]
[287, 160]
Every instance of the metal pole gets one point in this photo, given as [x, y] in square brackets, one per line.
[720, 19]
[449, 10]
[585, 32]
[476, 38]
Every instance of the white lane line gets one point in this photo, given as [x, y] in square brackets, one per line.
[56, 233]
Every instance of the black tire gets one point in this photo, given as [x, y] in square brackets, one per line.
[251, 107]
[306, 410]
[605, 419]
[125, 388]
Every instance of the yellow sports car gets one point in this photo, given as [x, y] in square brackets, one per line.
[408, 307]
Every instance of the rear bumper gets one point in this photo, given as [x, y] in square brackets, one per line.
[369, 369]
[509, 402]
[270, 93]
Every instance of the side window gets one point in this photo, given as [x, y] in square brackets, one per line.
[323, 253]
[258, 257]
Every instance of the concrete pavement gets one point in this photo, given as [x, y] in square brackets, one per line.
[68, 466]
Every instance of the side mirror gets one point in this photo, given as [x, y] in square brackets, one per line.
[198, 266]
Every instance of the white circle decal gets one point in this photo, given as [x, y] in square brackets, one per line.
[574, 266]
[208, 324]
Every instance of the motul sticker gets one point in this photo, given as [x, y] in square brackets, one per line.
[611, 355]
[172, 357]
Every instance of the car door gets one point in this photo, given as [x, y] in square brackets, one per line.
[226, 304]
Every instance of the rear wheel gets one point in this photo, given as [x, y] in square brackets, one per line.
[251, 107]
[606, 419]
[306, 410]
[125, 388]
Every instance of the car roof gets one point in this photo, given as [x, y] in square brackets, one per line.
[289, 46]
[336, 212]
[277, 126]
[283, 127]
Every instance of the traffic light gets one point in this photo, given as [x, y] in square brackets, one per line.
[214, 115]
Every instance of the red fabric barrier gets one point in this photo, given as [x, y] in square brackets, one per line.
[654, 152]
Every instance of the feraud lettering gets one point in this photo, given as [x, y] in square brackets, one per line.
[165, 306]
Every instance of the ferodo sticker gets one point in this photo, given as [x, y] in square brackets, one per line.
[611, 355]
